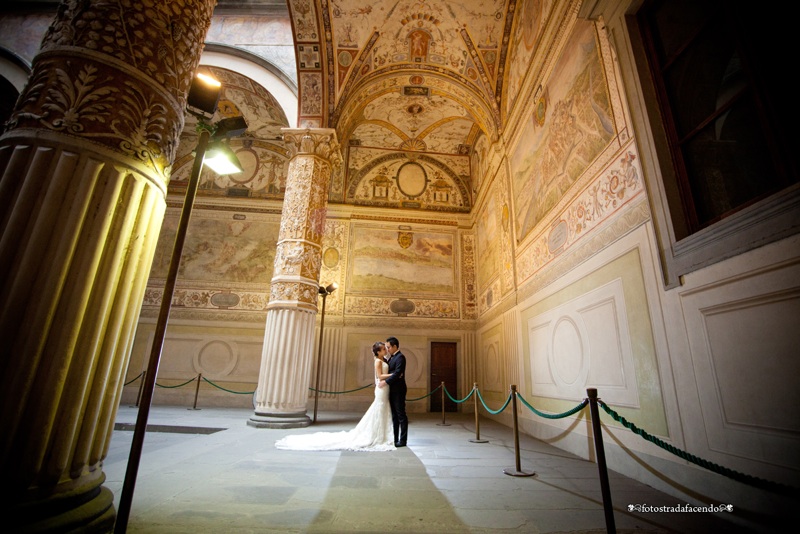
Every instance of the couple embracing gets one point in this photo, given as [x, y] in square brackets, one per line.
[385, 419]
[396, 381]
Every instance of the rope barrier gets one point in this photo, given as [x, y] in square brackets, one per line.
[341, 392]
[179, 385]
[228, 390]
[424, 396]
[730, 473]
[134, 379]
[493, 412]
[574, 410]
[459, 401]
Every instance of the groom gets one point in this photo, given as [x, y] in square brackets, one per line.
[397, 391]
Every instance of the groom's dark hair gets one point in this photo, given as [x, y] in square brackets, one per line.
[393, 342]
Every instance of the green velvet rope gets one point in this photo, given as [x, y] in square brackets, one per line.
[179, 385]
[428, 395]
[459, 401]
[228, 390]
[493, 412]
[134, 379]
[574, 410]
[340, 392]
[730, 473]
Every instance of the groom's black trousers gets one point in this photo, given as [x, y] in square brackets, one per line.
[397, 402]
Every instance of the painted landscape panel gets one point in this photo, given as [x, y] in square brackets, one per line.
[392, 261]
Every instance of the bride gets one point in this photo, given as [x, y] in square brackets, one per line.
[372, 433]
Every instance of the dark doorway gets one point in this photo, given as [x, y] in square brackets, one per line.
[444, 369]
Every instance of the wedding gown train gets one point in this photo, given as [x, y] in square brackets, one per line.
[373, 433]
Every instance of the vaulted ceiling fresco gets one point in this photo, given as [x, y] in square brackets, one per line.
[410, 86]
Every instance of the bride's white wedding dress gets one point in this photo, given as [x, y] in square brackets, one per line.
[373, 433]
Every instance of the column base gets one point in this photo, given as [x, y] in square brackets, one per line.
[279, 420]
[88, 512]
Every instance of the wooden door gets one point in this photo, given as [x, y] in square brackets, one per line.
[444, 369]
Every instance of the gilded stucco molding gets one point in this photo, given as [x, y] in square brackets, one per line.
[319, 142]
[633, 217]
[118, 81]
[297, 258]
[469, 291]
[408, 325]
[607, 194]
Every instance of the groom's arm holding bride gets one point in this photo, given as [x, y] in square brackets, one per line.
[397, 372]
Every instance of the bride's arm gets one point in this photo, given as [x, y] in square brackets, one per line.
[378, 369]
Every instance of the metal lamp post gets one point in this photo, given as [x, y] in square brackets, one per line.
[324, 292]
[203, 96]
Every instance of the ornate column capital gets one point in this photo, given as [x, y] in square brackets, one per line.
[320, 142]
[116, 75]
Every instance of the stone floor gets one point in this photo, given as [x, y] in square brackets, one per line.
[231, 478]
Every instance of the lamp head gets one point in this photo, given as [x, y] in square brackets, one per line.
[222, 160]
[230, 127]
[203, 95]
[333, 286]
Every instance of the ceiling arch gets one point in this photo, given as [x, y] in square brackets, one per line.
[402, 79]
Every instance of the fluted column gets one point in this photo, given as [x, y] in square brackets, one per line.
[287, 357]
[84, 167]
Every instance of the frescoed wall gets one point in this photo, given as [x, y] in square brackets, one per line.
[402, 262]
[501, 189]
[260, 151]
[531, 18]
[572, 124]
[390, 178]
[488, 242]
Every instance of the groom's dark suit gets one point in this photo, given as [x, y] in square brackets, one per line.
[397, 397]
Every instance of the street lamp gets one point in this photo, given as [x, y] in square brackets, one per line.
[202, 103]
[324, 292]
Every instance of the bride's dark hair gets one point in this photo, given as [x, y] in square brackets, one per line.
[376, 347]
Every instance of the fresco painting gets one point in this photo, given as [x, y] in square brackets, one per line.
[404, 261]
[531, 16]
[488, 243]
[220, 250]
[578, 125]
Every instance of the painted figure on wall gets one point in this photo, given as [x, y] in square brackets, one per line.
[419, 41]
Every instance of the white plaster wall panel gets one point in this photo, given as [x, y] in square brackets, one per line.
[743, 336]
[511, 344]
[416, 364]
[215, 357]
[232, 358]
[491, 377]
[584, 343]
[601, 319]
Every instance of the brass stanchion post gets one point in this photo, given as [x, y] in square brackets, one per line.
[605, 489]
[518, 472]
[477, 417]
[443, 423]
[196, 392]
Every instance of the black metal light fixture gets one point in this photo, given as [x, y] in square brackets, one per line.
[324, 291]
[202, 103]
[221, 159]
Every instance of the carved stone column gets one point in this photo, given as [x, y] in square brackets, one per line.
[287, 358]
[84, 167]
